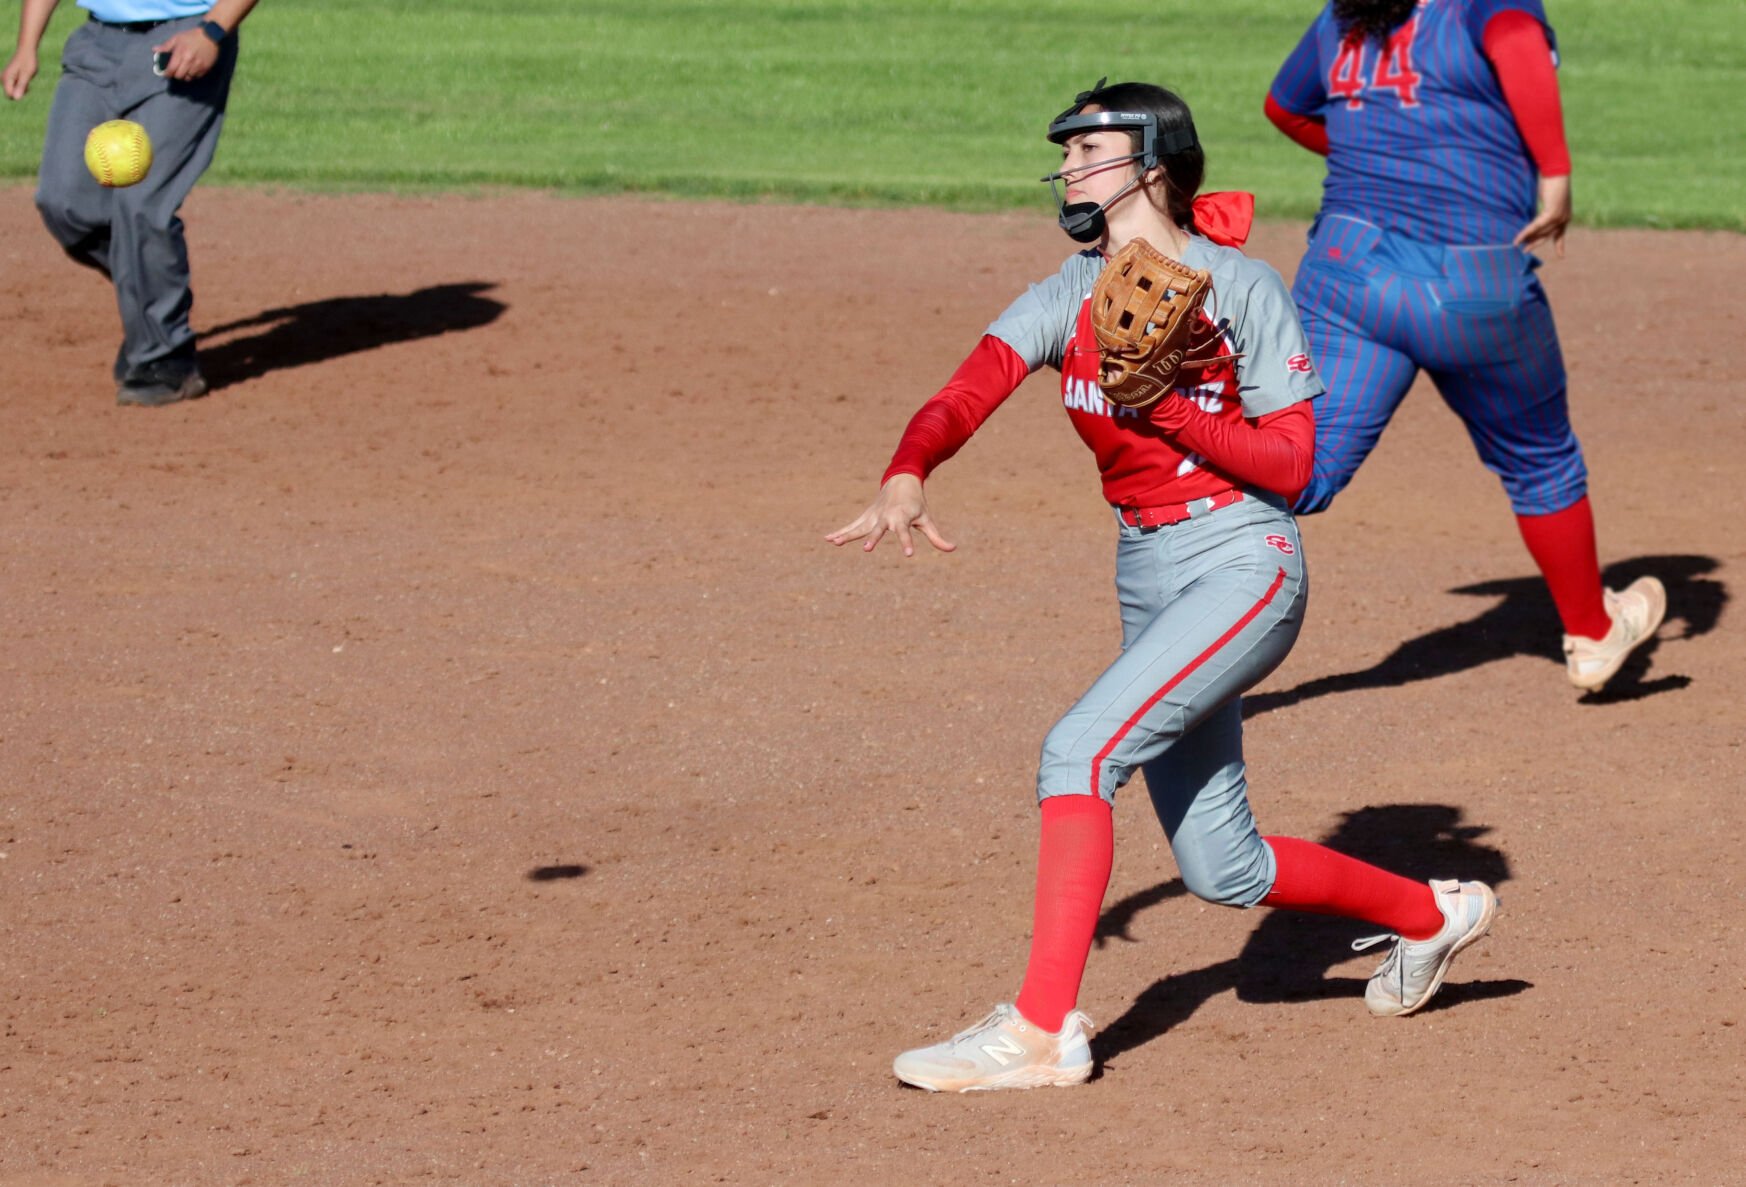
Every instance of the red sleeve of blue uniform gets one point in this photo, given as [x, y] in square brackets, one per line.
[1310, 131]
[1516, 45]
[1275, 453]
[1300, 86]
[942, 425]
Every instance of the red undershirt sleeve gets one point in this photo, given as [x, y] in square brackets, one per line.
[1306, 130]
[942, 425]
[1275, 452]
[1516, 45]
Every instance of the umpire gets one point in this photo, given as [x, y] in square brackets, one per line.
[167, 65]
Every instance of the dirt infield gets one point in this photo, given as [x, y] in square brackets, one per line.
[449, 752]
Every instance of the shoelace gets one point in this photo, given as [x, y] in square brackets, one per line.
[1393, 959]
[1629, 615]
[995, 1017]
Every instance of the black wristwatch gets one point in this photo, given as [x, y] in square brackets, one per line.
[215, 31]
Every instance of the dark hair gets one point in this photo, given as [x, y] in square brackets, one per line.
[1183, 170]
[1372, 19]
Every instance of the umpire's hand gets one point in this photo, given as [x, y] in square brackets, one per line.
[18, 73]
[192, 54]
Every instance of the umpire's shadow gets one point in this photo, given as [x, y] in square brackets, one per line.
[1288, 956]
[316, 331]
[1525, 623]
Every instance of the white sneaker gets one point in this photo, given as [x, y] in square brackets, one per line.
[1636, 611]
[1002, 1051]
[1414, 970]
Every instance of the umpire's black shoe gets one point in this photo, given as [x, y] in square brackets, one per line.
[161, 383]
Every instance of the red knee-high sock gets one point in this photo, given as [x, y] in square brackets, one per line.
[1562, 544]
[1074, 859]
[1316, 879]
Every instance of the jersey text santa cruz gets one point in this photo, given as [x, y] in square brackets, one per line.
[1265, 367]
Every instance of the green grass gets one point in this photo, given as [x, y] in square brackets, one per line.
[884, 101]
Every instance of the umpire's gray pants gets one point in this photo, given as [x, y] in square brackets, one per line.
[1210, 606]
[132, 235]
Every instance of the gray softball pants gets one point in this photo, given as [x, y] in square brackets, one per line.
[1209, 607]
[132, 235]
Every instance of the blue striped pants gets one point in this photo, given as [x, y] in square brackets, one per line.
[1378, 306]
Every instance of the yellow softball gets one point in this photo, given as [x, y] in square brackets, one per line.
[118, 152]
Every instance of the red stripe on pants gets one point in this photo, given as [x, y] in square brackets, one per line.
[1185, 673]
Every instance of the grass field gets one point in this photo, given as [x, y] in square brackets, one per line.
[880, 101]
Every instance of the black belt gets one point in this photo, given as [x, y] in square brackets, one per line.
[132, 26]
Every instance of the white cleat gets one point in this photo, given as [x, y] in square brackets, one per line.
[1002, 1051]
[1414, 969]
[1636, 611]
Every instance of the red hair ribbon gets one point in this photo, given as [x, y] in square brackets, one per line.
[1225, 217]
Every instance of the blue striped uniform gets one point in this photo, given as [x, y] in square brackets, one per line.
[1410, 263]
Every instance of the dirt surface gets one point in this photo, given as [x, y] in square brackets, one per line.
[450, 753]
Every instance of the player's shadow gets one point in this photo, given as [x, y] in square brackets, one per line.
[1288, 956]
[1523, 622]
[558, 873]
[316, 331]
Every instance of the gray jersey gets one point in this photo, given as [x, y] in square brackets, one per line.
[1249, 302]
[1265, 368]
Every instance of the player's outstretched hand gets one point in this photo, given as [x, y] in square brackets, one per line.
[1554, 215]
[18, 73]
[899, 507]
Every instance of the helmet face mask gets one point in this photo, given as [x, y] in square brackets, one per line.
[1067, 126]
[1084, 221]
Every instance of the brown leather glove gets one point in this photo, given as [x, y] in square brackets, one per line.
[1145, 310]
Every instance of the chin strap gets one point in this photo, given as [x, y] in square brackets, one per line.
[1225, 217]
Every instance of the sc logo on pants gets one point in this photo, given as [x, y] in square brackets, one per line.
[1275, 540]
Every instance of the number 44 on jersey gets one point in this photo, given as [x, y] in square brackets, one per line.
[1391, 71]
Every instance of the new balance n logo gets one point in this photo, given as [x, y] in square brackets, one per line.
[1000, 1051]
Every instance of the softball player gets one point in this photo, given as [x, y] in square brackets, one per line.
[1210, 580]
[166, 65]
[1442, 127]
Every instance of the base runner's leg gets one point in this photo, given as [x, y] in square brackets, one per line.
[1366, 383]
[1565, 551]
[1355, 311]
[1507, 383]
